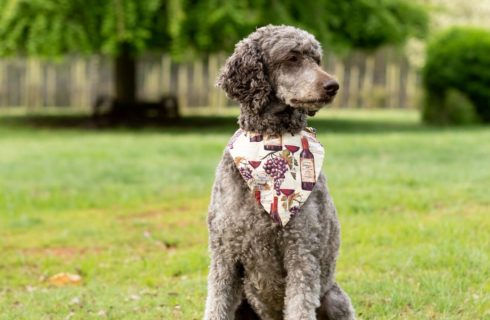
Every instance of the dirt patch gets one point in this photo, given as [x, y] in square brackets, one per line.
[150, 214]
[146, 214]
[61, 251]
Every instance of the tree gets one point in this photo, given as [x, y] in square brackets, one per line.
[185, 28]
[119, 28]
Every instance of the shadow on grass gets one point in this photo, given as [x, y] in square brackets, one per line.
[216, 124]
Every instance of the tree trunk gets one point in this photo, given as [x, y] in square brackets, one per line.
[125, 76]
[125, 107]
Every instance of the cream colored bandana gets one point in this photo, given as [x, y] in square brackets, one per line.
[280, 170]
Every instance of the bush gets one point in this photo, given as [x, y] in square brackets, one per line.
[455, 108]
[456, 76]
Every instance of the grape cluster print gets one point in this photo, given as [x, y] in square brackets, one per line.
[276, 168]
[246, 173]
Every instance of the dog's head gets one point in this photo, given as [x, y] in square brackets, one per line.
[278, 63]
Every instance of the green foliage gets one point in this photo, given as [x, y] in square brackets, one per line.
[212, 25]
[132, 22]
[184, 27]
[53, 27]
[458, 59]
[47, 27]
[455, 108]
[373, 23]
[341, 25]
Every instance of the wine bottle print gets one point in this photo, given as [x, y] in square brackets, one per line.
[274, 213]
[273, 143]
[257, 195]
[307, 166]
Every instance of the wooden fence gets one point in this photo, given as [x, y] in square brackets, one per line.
[384, 79]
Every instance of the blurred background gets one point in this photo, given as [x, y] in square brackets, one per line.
[68, 54]
[111, 129]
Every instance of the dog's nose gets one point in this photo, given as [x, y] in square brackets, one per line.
[331, 87]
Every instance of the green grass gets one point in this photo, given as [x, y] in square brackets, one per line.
[126, 209]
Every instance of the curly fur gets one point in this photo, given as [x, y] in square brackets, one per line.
[260, 270]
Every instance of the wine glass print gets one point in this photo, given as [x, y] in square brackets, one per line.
[254, 164]
[287, 193]
[292, 148]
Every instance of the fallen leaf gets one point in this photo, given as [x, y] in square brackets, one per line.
[30, 289]
[69, 316]
[64, 279]
[135, 297]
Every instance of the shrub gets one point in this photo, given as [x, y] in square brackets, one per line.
[455, 108]
[457, 75]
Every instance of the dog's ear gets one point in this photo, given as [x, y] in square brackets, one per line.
[244, 76]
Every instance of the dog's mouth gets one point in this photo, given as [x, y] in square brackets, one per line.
[314, 102]
[311, 106]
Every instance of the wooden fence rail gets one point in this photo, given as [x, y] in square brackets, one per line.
[384, 79]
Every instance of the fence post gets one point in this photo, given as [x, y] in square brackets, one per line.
[393, 80]
[3, 87]
[212, 73]
[166, 72]
[339, 75]
[197, 82]
[32, 83]
[367, 82]
[50, 85]
[151, 84]
[412, 96]
[83, 84]
[222, 99]
[183, 88]
[354, 74]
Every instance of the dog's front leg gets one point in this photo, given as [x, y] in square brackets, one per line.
[303, 278]
[224, 289]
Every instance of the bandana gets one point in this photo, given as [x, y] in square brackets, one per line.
[280, 170]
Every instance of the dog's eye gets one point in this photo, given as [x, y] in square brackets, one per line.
[293, 59]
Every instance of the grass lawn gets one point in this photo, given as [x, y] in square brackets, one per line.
[126, 210]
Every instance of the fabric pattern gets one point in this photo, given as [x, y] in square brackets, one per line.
[280, 170]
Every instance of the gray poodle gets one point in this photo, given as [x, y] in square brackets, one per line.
[260, 269]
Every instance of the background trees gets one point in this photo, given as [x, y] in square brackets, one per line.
[123, 29]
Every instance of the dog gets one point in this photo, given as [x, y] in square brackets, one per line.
[262, 267]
